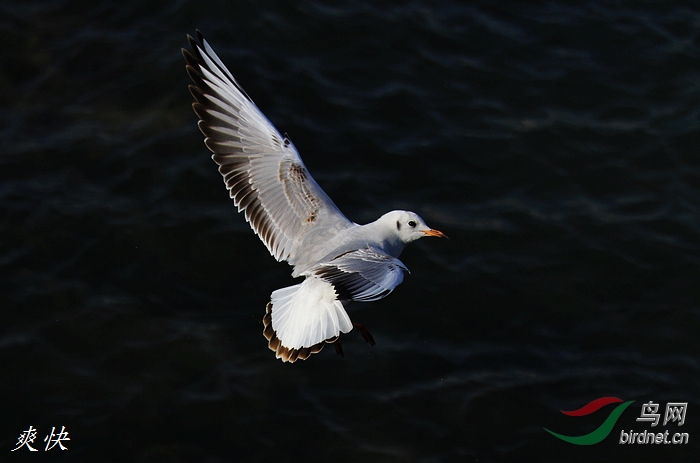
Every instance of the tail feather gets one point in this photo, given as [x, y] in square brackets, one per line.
[300, 319]
[285, 353]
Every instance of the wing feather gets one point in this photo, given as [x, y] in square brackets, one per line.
[262, 170]
[367, 274]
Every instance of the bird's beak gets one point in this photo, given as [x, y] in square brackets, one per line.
[431, 232]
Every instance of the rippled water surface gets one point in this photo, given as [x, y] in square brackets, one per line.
[556, 143]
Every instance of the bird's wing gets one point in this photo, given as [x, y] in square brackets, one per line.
[262, 170]
[367, 274]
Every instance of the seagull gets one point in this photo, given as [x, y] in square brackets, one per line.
[340, 260]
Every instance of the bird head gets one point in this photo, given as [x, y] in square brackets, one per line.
[408, 226]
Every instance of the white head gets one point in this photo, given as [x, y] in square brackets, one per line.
[408, 226]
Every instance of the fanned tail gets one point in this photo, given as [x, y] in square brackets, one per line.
[284, 353]
[300, 319]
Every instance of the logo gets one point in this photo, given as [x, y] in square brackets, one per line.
[675, 412]
[603, 430]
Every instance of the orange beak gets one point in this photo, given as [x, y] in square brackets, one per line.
[438, 233]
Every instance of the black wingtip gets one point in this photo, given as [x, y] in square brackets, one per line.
[194, 45]
[200, 37]
[195, 59]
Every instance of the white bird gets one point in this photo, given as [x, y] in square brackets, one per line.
[340, 261]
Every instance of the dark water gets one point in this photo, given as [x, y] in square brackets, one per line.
[556, 143]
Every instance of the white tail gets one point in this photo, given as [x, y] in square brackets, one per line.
[302, 317]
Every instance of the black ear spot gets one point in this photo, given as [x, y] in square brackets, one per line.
[398, 225]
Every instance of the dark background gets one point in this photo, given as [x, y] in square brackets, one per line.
[556, 143]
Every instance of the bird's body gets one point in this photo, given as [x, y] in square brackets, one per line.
[267, 180]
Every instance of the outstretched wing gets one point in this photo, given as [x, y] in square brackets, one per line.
[262, 170]
[367, 274]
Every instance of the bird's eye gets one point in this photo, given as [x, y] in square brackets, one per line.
[411, 223]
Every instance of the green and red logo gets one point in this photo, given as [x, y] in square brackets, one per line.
[603, 430]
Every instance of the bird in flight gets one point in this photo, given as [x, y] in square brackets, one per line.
[340, 260]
